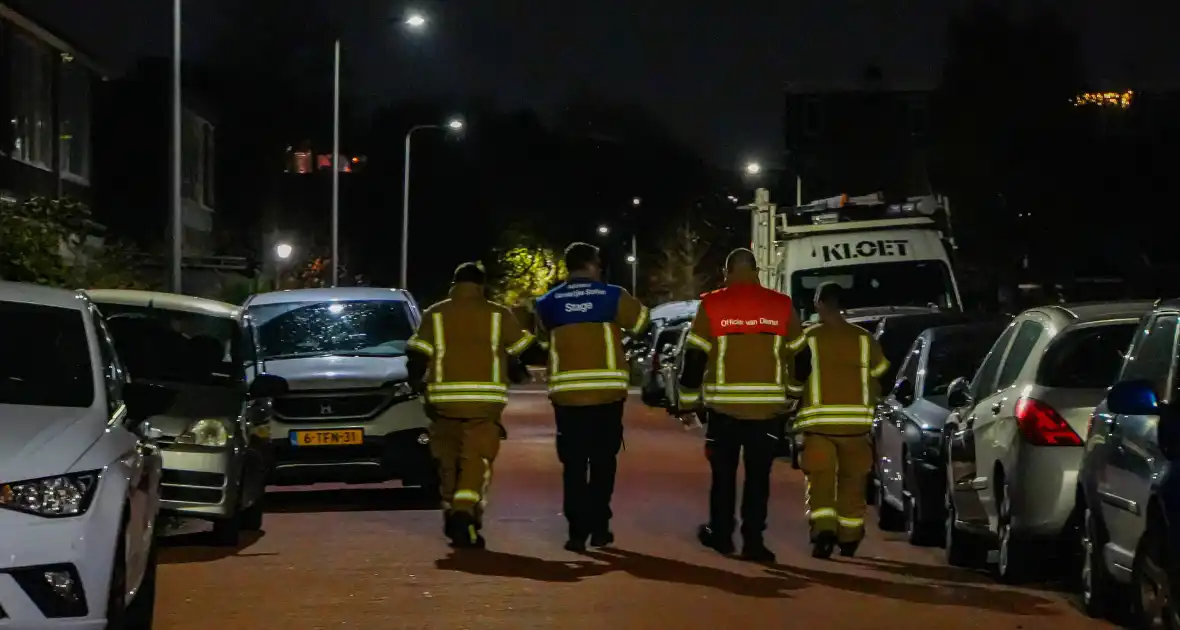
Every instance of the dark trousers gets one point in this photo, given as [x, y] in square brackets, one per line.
[755, 443]
[588, 442]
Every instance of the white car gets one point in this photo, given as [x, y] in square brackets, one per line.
[79, 476]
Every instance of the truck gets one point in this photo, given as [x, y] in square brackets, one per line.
[890, 258]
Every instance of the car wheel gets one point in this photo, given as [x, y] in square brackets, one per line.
[962, 549]
[251, 517]
[138, 614]
[1015, 558]
[227, 532]
[920, 530]
[1152, 602]
[889, 518]
[1101, 595]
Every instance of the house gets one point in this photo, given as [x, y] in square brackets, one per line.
[46, 92]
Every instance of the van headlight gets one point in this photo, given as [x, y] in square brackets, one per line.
[53, 497]
[206, 432]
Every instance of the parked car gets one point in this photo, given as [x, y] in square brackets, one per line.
[79, 475]
[215, 442]
[350, 414]
[1014, 446]
[1129, 489]
[654, 386]
[896, 335]
[907, 433]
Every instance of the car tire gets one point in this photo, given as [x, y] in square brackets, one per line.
[961, 548]
[1016, 559]
[138, 614]
[1152, 583]
[1102, 596]
[889, 518]
[251, 517]
[227, 532]
[920, 529]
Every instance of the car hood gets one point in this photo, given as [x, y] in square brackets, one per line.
[333, 372]
[197, 402]
[44, 441]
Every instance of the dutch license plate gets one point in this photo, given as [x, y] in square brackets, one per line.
[335, 437]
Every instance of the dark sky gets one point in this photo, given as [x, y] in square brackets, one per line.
[713, 69]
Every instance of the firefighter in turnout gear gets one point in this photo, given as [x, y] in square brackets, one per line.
[582, 322]
[842, 363]
[464, 348]
[736, 363]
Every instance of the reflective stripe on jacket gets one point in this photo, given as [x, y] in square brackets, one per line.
[468, 341]
[745, 330]
[582, 323]
[842, 389]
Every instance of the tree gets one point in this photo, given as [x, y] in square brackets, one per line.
[677, 273]
[524, 272]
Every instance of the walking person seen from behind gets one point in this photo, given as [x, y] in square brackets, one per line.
[582, 322]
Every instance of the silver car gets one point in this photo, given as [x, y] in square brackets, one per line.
[350, 415]
[1014, 441]
[214, 442]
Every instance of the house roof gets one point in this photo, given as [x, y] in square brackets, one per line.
[43, 34]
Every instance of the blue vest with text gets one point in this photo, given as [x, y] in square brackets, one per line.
[578, 302]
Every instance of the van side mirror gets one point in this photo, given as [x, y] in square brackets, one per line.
[903, 391]
[958, 394]
[268, 386]
[1133, 398]
[145, 400]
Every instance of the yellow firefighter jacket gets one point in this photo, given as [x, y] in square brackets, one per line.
[842, 388]
[744, 330]
[468, 341]
[582, 323]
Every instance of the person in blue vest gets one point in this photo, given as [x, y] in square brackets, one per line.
[582, 322]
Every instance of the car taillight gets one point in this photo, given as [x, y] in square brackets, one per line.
[1041, 425]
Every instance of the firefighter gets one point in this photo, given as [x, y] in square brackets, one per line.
[582, 322]
[464, 348]
[737, 363]
[841, 364]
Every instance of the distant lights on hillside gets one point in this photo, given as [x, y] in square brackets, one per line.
[1121, 100]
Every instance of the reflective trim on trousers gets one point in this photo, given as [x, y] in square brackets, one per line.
[589, 385]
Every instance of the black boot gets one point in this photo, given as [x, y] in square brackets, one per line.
[576, 541]
[720, 543]
[754, 550]
[848, 549]
[602, 538]
[823, 545]
[463, 531]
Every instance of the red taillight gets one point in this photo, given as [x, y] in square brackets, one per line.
[1041, 425]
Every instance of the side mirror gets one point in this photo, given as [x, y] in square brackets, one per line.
[268, 386]
[144, 400]
[1133, 398]
[958, 393]
[903, 391]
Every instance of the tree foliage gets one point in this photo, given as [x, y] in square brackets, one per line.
[524, 272]
[677, 273]
[45, 241]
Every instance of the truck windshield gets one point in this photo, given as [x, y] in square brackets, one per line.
[909, 283]
[376, 328]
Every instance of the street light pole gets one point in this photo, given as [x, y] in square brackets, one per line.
[455, 125]
[634, 267]
[176, 221]
[336, 167]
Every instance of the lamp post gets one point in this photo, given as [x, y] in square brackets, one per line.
[754, 169]
[414, 21]
[454, 124]
[632, 258]
[176, 220]
[283, 253]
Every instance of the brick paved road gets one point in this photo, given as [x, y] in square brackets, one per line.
[361, 557]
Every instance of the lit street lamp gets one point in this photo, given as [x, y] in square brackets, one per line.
[631, 259]
[603, 230]
[753, 168]
[415, 20]
[454, 124]
[283, 251]
[635, 201]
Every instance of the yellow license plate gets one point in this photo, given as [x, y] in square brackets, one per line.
[337, 437]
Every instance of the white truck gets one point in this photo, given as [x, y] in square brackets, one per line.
[890, 258]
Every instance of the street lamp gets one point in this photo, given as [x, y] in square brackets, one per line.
[454, 124]
[603, 230]
[283, 251]
[631, 259]
[635, 201]
[753, 168]
[416, 22]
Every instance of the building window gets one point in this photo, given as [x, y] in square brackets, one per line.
[208, 166]
[813, 117]
[32, 102]
[75, 119]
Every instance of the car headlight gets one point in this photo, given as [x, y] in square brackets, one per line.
[206, 432]
[64, 495]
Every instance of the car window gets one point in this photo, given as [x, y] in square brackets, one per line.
[1087, 358]
[668, 336]
[159, 344]
[1022, 346]
[112, 371]
[985, 378]
[56, 370]
[1151, 354]
[372, 328]
[909, 366]
[952, 356]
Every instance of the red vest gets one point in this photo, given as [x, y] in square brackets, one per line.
[747, 308]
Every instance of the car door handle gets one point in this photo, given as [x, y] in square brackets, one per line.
[997, 406]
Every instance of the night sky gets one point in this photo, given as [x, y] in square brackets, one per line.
[713, 69]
